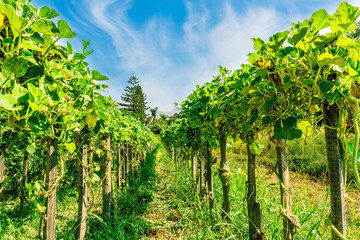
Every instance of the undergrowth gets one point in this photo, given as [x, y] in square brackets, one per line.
[185, 208]
[309, 204]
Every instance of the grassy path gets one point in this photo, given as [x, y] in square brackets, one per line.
[164, 213]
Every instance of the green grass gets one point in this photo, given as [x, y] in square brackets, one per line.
[185, 214]
[310, 205]
[126, 222]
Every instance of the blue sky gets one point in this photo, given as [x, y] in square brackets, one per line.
[173, 45]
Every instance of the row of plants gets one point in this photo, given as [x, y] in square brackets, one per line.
[50, 101]
[301, 79]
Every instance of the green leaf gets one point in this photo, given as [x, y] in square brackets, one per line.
[254, 57]
[17, 24]
[39, 124]
[308, 81]
[266, 120]
[223, 71]
[65, 30]
[277, 40]
[298, 32]
[319, 21]
[288, 50]
[44, 26]
[269, 103]
[9, 41]
[343, 19]
[256, 148]
[7, 101]
[40, 208]
[48, 13]
[353, 67]
[69, 48]
[329, 91]
[286, 129]
[91, 119]
[28, 44]
[349, 44]
[258, 43]
[31, 149]
[16, 65]
[95, 177]
[37, 107]
[255, 100]
[71, 147]
[328, 59]
[96, 75]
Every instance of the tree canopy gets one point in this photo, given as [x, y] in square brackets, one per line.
[134, 99]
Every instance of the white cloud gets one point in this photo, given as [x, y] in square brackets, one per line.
[169, 64]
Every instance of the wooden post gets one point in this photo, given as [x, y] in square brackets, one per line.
[119, 166]
[2, 163]
[193, 168]
[209, 178]
[106, 177]
[124, 165]
[254, 208]
[83, 191]
[51, 176]
[335, 166]
[284, 174]
[224, 174]
[202, 177]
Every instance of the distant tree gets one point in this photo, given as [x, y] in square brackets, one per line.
[153, 113]
[134, 99]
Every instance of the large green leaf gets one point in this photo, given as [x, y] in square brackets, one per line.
[256, 148]
[31, 148]
[319, 21]
[15, 65]
[286, 129]
[71, 147]
[17, 23]
[343, 19]
[353, 67]
[96, 75]
[329, 59]
[65, 30]
[44, 26]
[258, 43]
[48, 13]
[254, 57]
[7, 101]
[351, 45]
[39, 123]
[298, 32]
[91, 119]
[277, 40]
[329, 91]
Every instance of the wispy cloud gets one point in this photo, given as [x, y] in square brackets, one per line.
[169, 64]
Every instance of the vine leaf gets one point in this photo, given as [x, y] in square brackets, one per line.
[91, 119]
[15, 65]
[65, 30]
[343, 19]
[17, 23]
[7, 101]
[96, 75]
[256, 148]
[286, 129]
[71, 147]
[48, 13]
